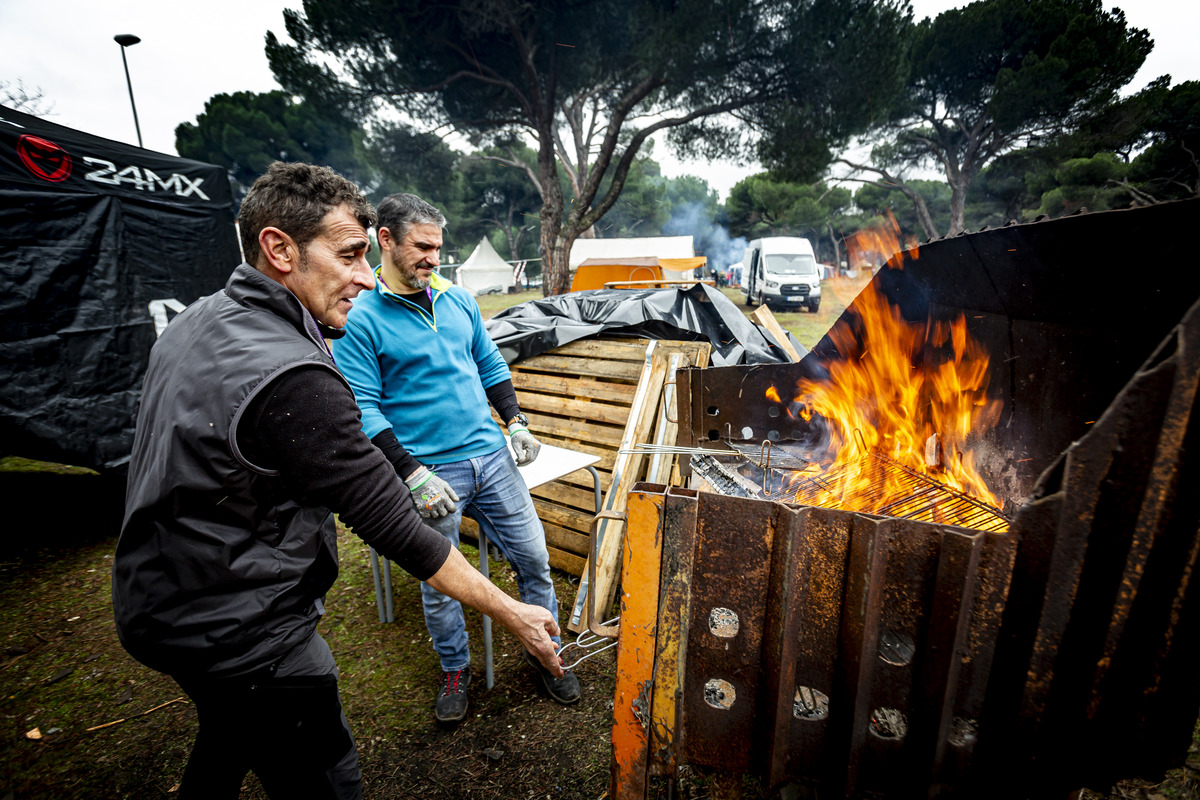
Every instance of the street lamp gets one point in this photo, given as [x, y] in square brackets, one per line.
[125, 40]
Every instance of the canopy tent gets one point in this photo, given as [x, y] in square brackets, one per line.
[636, 247]
[595, 262]
[485, 271]
[594, 273]
[100, 244]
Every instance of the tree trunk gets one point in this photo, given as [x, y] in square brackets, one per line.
[562, 256]
[507, 228]
[922, 209]
[958, 204]
[837, 249]
[556, 272]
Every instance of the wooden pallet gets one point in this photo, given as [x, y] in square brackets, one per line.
[598, 396]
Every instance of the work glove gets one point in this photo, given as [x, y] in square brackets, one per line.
[432, 496]
[524, 446]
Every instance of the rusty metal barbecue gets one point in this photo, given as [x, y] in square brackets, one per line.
[876, 656]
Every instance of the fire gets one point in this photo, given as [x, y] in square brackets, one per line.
[914, 392]
[873, 245]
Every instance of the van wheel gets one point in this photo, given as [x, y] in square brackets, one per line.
[814, 305]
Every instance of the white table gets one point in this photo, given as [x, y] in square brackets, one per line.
[552, 463]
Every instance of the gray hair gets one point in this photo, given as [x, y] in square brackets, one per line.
[400, 212]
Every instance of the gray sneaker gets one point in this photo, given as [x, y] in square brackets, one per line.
[450, 706]
[564, 690]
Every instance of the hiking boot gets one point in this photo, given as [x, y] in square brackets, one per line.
[564, 690]
[450, 708]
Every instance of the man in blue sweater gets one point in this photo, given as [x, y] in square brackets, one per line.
[423, 370]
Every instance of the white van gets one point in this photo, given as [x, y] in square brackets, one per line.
[781, 271]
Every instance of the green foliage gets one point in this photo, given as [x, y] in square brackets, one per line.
[245, 132]
[878, 201]
[990, 76]
[696, 210]
[1170, 167]
[651, 205]
[643, 208]
[1022, 64]
[1094, 165]
[1001, 192]
[1091, 183]
[500, 197]
[688, 190]
[763, 206]
[845, 70]
[590, 82]
[404, 160]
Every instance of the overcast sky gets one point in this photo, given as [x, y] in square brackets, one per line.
[191, 51]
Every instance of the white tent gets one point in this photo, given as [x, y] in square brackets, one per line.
[485, 271]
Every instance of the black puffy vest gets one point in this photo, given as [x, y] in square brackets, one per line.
[217, 572]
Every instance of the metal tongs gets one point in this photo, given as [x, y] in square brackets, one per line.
[592, 640]
[590, 644]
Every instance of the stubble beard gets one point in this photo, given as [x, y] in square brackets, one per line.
[412, 281]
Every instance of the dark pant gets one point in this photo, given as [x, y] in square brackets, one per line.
[286, 726]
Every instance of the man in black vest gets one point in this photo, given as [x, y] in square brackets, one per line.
[248, 439]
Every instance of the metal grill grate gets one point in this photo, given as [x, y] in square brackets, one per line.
[925, 499]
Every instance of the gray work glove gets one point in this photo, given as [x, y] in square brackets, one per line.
[524, 446]
[432, 496]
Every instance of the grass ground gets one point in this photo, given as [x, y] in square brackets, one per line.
[80, 719]
[64, 678]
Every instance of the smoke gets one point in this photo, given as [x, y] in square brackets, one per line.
[709, 238]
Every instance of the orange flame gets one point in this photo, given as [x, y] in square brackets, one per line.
[894, 386]
[873, 245]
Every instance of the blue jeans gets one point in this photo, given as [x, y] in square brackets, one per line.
[491, 491]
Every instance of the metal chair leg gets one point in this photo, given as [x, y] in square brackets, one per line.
[488, 666]
[378, 587]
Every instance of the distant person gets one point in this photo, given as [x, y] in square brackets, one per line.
[424, 370]
[247, 441]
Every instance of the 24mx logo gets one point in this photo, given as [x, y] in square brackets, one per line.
[44, 158]
[141, 178]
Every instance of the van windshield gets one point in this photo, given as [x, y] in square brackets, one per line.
[785, 264]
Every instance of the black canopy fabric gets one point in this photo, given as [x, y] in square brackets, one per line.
[97, 240]
[698, 313]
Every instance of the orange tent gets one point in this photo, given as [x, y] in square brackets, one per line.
[595, 272]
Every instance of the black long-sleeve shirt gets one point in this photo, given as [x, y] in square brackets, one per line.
[306, 425]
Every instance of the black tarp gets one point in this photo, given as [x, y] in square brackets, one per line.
[698, 313]
[96, 239]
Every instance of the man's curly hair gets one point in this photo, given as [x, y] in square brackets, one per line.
[295, 197]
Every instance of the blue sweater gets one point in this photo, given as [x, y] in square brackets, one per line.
[423, 375]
